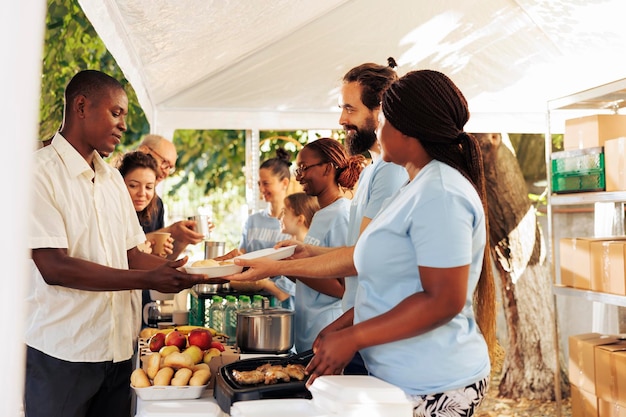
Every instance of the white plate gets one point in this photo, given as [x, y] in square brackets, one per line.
[214, 271]
[270, 253]
[186, 392]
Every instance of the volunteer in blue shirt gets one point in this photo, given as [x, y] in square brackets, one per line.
[262, 230]
[324, 168]
[424, 316]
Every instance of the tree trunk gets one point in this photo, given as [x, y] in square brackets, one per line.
[519, 254]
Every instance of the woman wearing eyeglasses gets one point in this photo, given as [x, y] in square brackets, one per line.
[324, 170]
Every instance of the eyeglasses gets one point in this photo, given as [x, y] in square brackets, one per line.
[165, 164]
[304, 168]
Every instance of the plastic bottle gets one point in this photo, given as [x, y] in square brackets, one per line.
[230, 318]
[244, 302]
[257, 301]
[216, 314]
[207, 313]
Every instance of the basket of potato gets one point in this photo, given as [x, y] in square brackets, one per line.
[172, 371]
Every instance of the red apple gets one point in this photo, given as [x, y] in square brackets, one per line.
[156, 342]
[201, 338]
[217, 345]
[176, 338]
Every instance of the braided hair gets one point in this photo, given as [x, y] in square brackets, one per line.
[347, 167]
[428, 106]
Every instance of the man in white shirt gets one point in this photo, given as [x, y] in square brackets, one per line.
[82, 310]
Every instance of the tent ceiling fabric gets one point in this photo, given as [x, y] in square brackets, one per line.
[228, 64]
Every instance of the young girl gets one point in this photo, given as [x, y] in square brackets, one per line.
[298, 214]
[262, 229]
[324, 171]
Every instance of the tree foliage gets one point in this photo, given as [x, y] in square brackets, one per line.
[72, 45]
[210, 169]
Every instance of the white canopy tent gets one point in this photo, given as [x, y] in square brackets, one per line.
[261, 64]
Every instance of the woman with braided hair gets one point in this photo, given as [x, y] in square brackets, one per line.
[437, 340]
[324, 170]
[424, 313]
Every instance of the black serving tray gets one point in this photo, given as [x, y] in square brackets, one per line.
[227, 390]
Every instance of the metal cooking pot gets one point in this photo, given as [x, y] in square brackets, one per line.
[265, 330]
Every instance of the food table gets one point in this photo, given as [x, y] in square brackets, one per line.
[333, 395]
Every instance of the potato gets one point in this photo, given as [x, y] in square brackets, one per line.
[181, 377]
[152, 364]
[139, 379]
[200, 377]
[164, 376]
[178, 360]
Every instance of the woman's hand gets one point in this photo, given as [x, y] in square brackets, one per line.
[184, 231]
[168, 246]
[333, 352]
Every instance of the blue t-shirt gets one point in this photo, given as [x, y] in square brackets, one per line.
[437, 220]
[315, 310]
[262, 231]
[378, 181]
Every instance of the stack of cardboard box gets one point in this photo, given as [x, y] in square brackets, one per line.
[596, 264]
[600, 138]
[597, 374]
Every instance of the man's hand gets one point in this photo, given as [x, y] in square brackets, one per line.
[171, 277]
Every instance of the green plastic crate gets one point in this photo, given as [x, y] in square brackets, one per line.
[593, 180]
[198, 310]
[578, 161]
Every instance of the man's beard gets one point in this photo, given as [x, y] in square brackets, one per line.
[362, 139]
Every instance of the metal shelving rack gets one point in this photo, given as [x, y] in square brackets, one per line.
[605, 99]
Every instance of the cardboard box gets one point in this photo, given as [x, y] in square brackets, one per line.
[585, 260]
[591, 131]
[608, 409]
[229, 355]
[584, 404]
[575, 262]
[610, 372]
[582, 359]
[600, 265]
[617, 269]
[615, 164]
